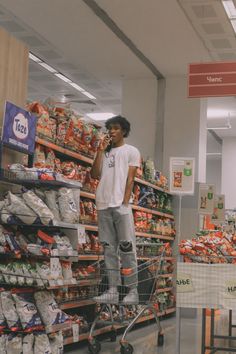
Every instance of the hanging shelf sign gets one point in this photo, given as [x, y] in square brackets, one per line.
[182, 172]
[212, 79]
[19, 129]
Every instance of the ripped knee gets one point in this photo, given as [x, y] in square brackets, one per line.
[126, 246]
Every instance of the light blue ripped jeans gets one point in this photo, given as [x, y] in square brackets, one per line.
[117, 235]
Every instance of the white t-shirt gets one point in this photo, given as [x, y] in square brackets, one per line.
[115, 167]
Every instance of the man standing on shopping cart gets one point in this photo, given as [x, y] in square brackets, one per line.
[115, 164]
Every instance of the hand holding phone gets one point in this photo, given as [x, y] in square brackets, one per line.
[104, 142]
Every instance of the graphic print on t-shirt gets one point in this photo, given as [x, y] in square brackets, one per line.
[111, 161]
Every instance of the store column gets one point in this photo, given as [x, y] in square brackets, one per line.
[185, 135]
[14, 76]
[139, 106]
[229, 172]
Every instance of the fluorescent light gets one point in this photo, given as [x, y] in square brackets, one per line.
[219, 128]
[214, 153]
[88, 95]
[48, 67]
[217, 113]
[34, 58]
[77, 87]
[101, 116]
[229, 8]
[230, 11]
[62, 77]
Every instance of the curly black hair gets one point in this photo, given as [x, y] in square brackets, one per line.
[122, 121]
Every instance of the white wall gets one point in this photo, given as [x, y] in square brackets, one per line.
[229, 172]
[184, 126]
[213, 173]
[139, 106]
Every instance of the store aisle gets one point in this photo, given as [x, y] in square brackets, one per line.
[144, 339]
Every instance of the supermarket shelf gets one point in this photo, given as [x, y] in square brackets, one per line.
[58, 327]
[76, 304]
[107, 329]
[149, 184]
[86, 282]
[164, 290]
[63, 150]
[152, 211]
[90, 227]
[167, 275]
[170, 310]
[146, 258]
[137, 233]
[150, 235]
[87, 194]
[91, 257]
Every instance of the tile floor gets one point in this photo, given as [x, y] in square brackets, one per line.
[144, 339]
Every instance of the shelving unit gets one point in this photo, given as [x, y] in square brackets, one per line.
[66, 153]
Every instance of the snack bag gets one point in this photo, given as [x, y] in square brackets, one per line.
[28, 344]
[26, 309]
[39, 156]
[50, 159]
[48, 309]
[38, 206]
[17, 206]
[67, 205]
[3, 339]
[56, 343]
[14, 344]
[52, 203]
[95, 139]
[42, 344]
[9, 311]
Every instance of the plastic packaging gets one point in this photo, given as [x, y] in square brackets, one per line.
[67, 205]
[48, 308]
[9, 311]
[39, 207]
[14, 344]
[41, 344]
[56, 343]
[51, 201]
[26, 309]
[28, 344]
[17, 206]
[3, 339]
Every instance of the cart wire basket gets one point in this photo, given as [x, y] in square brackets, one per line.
[148, 274]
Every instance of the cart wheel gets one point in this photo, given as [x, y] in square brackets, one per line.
[94, 346]
[126, 348]
[160, 340]
[113, 336]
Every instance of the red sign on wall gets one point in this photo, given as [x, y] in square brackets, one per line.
[212, 79]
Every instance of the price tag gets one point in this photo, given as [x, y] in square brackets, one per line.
[184, 283]
[54, 252]
[230, 288]
[60, 282]
[52, 282]
[81, 234]
[54, 267]
[75, 331]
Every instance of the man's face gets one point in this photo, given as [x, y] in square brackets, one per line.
[116, 133]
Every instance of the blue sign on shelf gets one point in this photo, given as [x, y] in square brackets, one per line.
[19, 128]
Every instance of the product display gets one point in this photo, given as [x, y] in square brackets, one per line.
[213, 247]
[45, 270]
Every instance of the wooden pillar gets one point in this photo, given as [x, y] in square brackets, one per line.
[14, 58]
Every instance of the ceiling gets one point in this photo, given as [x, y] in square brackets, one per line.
[98, 44]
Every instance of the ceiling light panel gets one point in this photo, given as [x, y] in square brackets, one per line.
[62, 77]
[48, 67]
[101, 116]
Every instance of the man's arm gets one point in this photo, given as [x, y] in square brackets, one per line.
[129, 184]
[97, 165]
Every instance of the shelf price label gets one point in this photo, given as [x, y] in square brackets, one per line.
[81, 234]
[182, 171]
[75, 331]
[230, 288]
[184, 283]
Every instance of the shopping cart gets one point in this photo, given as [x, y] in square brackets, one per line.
[148, 273]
